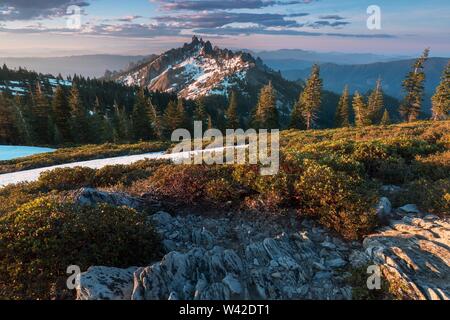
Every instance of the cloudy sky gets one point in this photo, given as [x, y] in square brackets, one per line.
[48, 28]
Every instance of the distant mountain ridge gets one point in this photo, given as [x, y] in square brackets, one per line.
[289, 59]
[93, 66]
[363, 77]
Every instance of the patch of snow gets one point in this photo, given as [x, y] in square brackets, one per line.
[33, 175]
[14, 152]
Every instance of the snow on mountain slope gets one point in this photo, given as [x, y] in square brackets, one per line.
[197, 69]
[22, 87]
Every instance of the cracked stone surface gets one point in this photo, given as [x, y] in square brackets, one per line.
[414, 253]
[236, 257]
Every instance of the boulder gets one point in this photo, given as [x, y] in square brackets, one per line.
[93, 197]
[409, 208]
[106, 283]
[384, 210]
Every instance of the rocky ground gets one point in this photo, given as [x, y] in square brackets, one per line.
[239, 257]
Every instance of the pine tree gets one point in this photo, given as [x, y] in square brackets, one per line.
[182, 115]
[232, 118]
[441, 99]
[311, 97]
[8, 128]
[266, 115]
[200, 113]
[342, 118]
[297, 121]
[375, 104]
[121, 124]
[385, 120]
[79, 120]
[41, 117]
[360, 110]
[142, 127]
[172, 118]
[61, 113]
[413, 86]
[157, 121]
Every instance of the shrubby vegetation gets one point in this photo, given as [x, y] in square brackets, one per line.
[333, 176]
[40, 239]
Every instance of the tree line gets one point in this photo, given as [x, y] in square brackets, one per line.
[371, 110]
[98, 111]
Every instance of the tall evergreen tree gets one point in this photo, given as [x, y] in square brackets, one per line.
[360, 110]
[182, 114]
[385, 119]
[157, 121]
[375, 104]
[200, 113]
[79, 118]
[413, 86]
[142, 127]
[232, 118]
[441, 99]
[22, 117]
[8, 127]
[41, 117]
[172, 118]
[121, 124]
[311, 97]
[297, 121]
[61, 113]
[266, 115]
[342, 118]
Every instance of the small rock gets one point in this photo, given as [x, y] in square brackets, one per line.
[391, 188]
[169, 245]
[173, 296]
[162, 218]
[319, 266]
[233, 284]
[336, 263]
[409, 208]
[106, 283]
[276, 275]
[174, 235]
[328, 245]
[322, 275]
[384, 210]
[358, 259]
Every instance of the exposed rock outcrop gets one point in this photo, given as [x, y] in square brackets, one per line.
[237, 257]
[414, 253]
[92, 197]
[223, 258]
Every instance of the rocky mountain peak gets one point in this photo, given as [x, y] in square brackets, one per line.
[200, 69]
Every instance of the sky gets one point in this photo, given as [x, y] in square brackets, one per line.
[141, 27]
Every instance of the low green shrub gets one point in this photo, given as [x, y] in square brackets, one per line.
[42, 238]
[191, 184]
[431, 196]
[125, 174]
[67, 178]
[339, 201]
